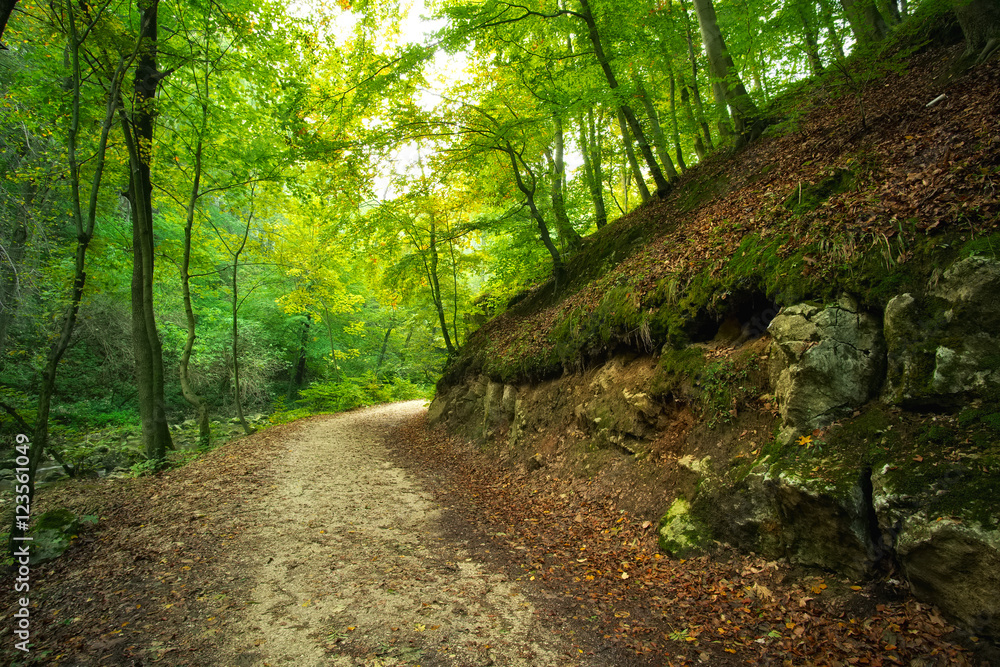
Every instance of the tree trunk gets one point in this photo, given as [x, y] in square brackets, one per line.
[745, 114]
[329, 334]
[659, 142]
[563, 226]
[675, 125]
[633, 163]
[6, 8]
[381, 354]
[84, 221]
[811, 39]
[980, 21]
[10, 284]
[592, 165]
[187, 389]
[699, 145]
[826, 12]
[865, 20]
[699, 106]
[298, 375]
[890, 10]
[237, 392]
[139, 140]
[435, 283]
[662, 186]
[558, 270]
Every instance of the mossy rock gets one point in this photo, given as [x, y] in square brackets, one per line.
[53, 532]
[680, 532]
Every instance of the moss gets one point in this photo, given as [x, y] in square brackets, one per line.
[809, 196]
[675, 369]
[687, 307]
[701, 190]
[936, 434]
[680, 532]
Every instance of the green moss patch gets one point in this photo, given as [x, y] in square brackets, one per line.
[809, 196]
[680, 532]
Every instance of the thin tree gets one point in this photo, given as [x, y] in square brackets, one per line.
[84, 215]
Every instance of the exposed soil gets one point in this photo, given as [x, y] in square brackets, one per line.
[366, 539]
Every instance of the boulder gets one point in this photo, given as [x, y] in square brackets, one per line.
[782, 515]
[943, 344]
[825, 362]
[943, 527]
[957, 567]
[52, 534]
[680, 532]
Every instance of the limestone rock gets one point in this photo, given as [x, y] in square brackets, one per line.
[824, 363]
[942, 344]
[437, 409]
[680, 533]
[936, 527]
[783, 516]
[956, 567]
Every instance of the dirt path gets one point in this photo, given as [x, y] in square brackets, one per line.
[349, 564]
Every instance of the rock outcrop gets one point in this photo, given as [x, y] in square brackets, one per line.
[944, 344]
[825, 363]
[861, 472]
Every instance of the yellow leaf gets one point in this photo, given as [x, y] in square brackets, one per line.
[805, 440]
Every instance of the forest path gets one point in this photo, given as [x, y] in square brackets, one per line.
[347, 563]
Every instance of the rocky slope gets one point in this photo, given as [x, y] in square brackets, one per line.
[795, 353]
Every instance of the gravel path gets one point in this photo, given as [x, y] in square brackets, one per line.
[349, 565]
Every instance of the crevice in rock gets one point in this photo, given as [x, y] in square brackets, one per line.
[882, 555]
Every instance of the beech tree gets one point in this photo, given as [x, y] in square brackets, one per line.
[746, 115]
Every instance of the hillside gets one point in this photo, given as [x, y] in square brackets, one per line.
[794, 352]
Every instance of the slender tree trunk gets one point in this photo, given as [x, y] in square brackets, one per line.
[10, 284]
[745, 114]
[381, 354]
[432, 276]
[298, 374]
[187, 389]
[693, 86]
[811, 40]
[329, 333]
[675, 125]
[563, 225]
[558, 270]
[237, 392]
[592, 166]
[138, 132]
[699, 145]
[659, 142]
[662, 186]
[826, 14]
[633, 163]
[84, 221]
